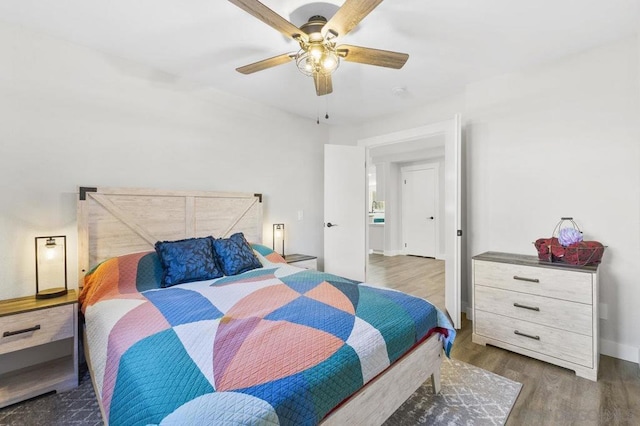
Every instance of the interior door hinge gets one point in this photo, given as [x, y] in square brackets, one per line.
[405, 244]
[459, 232]
[405, 181]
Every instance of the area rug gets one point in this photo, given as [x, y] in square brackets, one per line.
[469, 396]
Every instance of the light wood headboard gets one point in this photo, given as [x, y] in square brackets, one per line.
[117, 221]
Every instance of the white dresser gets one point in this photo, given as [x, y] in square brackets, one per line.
[543, 310]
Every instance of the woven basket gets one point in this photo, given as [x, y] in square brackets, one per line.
[582, 254]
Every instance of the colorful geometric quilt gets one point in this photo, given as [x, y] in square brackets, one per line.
[276, 345]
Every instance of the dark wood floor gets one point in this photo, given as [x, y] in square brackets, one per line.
[550, 395]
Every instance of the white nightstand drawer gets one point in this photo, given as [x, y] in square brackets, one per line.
[562, 314]
[559, 284]
[34, 328]
[572, 347]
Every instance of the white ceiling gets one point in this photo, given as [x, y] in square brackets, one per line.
[450, 43]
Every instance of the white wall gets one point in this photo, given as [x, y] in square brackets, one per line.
[71, 116]
[559, 140]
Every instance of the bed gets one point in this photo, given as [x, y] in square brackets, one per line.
[274, 344]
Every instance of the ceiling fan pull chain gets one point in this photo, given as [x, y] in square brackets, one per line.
[326, 107]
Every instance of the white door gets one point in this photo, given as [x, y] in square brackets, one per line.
[419, 208]
[453, 222]
[345, 211]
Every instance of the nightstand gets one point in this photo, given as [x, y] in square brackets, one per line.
[38, 346]
[302, 261]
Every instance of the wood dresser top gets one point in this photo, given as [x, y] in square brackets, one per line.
[528, 260]
[30, 303]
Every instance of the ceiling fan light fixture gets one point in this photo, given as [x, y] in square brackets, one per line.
[308, 66]
[319, 56]
[330, 61]
[310, 63]
[316, 50]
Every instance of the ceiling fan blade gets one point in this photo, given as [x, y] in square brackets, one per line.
[366, 55]
[266, 63]
[349, 15]
[323, 83]
[271, 18]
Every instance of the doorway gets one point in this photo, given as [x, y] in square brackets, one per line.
[445, 135]
[352, 236]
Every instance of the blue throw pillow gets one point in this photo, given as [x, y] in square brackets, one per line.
[235, 255]
[187, 260]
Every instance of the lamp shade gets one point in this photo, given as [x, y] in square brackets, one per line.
[51, 266]
[278, 237]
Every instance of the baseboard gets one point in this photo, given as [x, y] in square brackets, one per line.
[620, 351]
[402, 253]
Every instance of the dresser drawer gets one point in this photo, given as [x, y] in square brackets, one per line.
[556, 313]
[550, 282]
[34, 328]
[572, 347]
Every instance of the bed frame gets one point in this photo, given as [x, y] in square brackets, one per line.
[117, 221]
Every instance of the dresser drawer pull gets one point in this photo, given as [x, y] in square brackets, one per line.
[526, 335]
[26, 330]
[531, 308]
[531, 280]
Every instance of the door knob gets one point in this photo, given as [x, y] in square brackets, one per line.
[329, 224]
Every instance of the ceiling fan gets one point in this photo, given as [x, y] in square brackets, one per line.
[319, 55]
